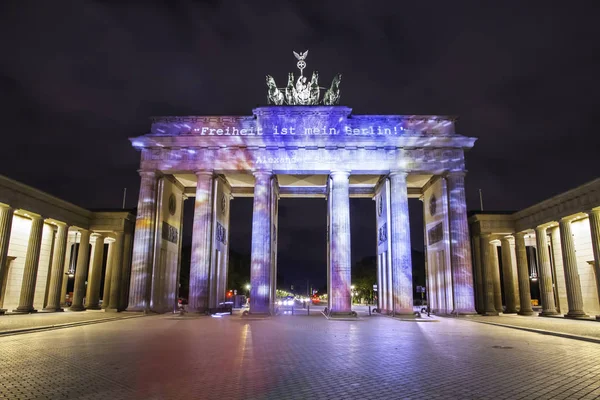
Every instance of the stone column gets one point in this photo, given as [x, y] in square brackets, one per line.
[143, 244]
[108, 273]
[67, 268]
[460, 247]
[400, 245]
[509, 280]
[126, 271]
[523, 274]
[32, 259]
[201, 243]
[567, 245]
[115, 276]
[495, 266]
[478, 274]
[6, 217]
[594, 217]
[81, 271]
[340, 301]
[260, 268]
[93, 288]
[545, 272]
[489, 307]
[57, 273]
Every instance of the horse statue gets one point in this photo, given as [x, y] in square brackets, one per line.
[302, 91]
[290, 91]
[274, 96]
[314, 88]
[332, 95]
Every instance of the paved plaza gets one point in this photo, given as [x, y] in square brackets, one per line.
[295, 357]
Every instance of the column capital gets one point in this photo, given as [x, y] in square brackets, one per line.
[340, 173]
[204, 172]
[520, 235]
[96, 235]
[5, 207]
[398, 173]
[145, 173]
[593, 211]
[460, 173]
[262, 173]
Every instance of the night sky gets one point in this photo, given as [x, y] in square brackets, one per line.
[79, 78]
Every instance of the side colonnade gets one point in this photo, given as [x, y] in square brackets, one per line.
[45, 241]
[550, 251]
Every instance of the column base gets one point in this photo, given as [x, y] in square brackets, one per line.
[490, 313]
[256, 314]
[342, 315]
[25, 310]
[53, 309]
[77, 308]
[465, 313]
[94, 308]
[2, 311]
[528, 313]
[576, 314]
[112, 310]
[510, 312]
[548, 314]
[597, 317]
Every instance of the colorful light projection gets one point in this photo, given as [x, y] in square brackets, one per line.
[304, 140]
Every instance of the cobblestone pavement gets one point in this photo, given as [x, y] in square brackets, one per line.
[589, 328]
[295, 357]
[41, 319]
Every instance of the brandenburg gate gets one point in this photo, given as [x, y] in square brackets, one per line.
[301, 146]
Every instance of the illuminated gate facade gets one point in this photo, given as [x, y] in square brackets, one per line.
[301, 151]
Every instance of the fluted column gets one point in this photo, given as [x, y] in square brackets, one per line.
[93, 288]
[523, 274]
[489, 307]
[545, 272]
[115, 276]
[495, 265]
[260, 264]
[201, 243]
[143, 244]
[126, 271]
[71, 246]
[81, 271]
[32, 259]
[460, 247]
[6, 217]
[509, 280]
[400, 245]
[572, 281]
[478, 275]
[108, 273]
[594, 218]
[57, 272]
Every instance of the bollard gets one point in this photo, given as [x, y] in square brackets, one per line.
[292, 309]
[308, 309]
[369, 309]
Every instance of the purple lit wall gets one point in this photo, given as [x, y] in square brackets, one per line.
[311, 140]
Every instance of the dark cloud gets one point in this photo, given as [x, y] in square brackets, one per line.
[78, 78]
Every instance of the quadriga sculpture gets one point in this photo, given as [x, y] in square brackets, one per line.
[332, 95]
[274, 95]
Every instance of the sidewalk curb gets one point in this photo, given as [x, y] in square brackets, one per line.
[20, 331]
[542, 331]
